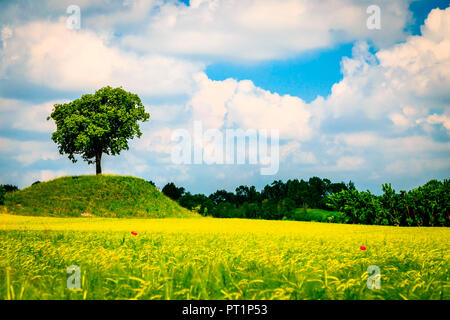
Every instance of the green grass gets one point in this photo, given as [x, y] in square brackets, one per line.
[103, 195]
[317, 215]
[207, 258]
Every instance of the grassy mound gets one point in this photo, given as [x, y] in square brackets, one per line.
[104, 195]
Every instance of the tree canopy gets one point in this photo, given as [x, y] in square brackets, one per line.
[172, 191]
[97, 124]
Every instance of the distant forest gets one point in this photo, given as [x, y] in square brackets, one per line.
[339, 202]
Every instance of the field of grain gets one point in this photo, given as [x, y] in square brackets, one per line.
[206, 258]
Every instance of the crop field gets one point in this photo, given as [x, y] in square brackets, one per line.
[207, 258]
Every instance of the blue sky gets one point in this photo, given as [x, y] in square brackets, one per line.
[350, 103]
[307, 76]
[312, 73]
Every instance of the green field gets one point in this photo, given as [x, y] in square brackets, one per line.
[317, 215]
[206, 258]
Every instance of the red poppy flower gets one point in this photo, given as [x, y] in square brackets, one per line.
[134, 233]
[363, 248]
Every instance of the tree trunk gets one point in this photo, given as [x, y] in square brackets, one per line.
[98, 163]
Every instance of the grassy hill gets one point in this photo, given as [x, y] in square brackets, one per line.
[104, 195]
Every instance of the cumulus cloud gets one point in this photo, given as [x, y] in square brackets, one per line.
[51, 55]
[419, 166]
[23, 115]
[402, 83]
[392, 146]
[249, 30]
[441, 119]
[241, 104]
[292, 151]
[158, 141]
[28, 152]
[402, 94]
[264, 29]
[349, 163]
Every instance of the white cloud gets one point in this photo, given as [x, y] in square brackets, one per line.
[166, 112]
[392, 146]
[399, 120]
[360, 139]
[417, 166]
[158, 141]
[437, 119]
[407, 81]
[292, 152]
[231, 29]
[17, 114]
[28, 152]
[233, 103]
[51, 55]
[209, 101]
[6, 34]
[264, 29]
[349, 163]
[379, 157]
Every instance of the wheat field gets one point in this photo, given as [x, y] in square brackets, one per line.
[207, 258]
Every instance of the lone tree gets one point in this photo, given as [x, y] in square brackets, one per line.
[98, 123]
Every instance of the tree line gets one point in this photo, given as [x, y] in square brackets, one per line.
[279, 200]
[427, 205]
